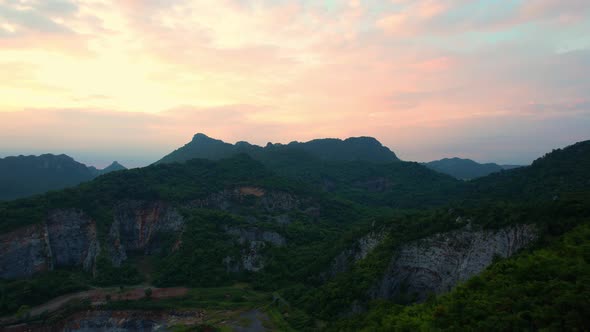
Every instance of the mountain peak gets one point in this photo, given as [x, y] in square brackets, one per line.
[368, 140]
[200, 137]
[114, 166]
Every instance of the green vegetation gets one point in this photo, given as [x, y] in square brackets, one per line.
[30, 292]
[546, 289]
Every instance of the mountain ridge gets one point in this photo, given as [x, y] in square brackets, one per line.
[22, 176]
[464, 168]
[329, 149]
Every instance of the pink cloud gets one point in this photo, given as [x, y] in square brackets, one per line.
[562, 11]
[287, 72]
[434, 65]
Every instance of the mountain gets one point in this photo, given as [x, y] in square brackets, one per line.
[558, 173]
[114, 166]
[359, 169]
[23, 176]
[466, 169]
[28, 175]
[330, 149]
[289, 240]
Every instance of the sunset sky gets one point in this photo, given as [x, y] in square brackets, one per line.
[502, 81]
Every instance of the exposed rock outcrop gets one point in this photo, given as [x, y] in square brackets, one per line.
[361, 248]
[72, 238]
[66, 238]
[138, 226]
[254, 241]
[24, 252]
[437, 263]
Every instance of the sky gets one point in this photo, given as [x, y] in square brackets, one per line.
[503, 81]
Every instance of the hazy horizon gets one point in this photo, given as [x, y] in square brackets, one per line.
[148, 156]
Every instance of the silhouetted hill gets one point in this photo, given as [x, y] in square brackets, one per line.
[114, 166]
[465, 169]
[22, 176]
[330, 149]
[28, 175]
[562, 171]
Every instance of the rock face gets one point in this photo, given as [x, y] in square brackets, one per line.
[254, 241]
[66, 238]
[361, 248]
[72, 238]
[138, 226]
[437, 263]
[24, 252]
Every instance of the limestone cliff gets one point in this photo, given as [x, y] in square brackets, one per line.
[138, 226]
[361, 248]
[253, 240]
[66, 238]
[437, 263]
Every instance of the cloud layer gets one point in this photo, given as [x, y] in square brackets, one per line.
[501, 81]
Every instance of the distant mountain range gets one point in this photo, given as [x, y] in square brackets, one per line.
[466, 169]
[328, 149]
[366, 149]
[114, 166]
[23, 176]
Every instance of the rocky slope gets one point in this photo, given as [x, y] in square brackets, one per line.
[139, 226]
[437, 263]
[68, 237]
[361, 248]
[253, 240]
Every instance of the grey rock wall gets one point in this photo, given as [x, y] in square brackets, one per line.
[438, 263]
[66, 238]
